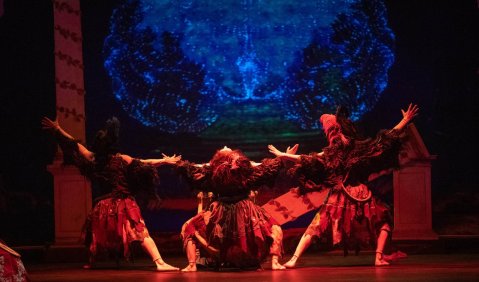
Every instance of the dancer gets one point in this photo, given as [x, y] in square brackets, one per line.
[115, 221]
[343, 167]
[234, 229]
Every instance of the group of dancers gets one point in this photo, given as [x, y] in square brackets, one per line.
[233, 229]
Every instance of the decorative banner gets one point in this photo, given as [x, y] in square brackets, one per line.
[69, 82]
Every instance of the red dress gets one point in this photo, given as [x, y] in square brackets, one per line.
[115, 221]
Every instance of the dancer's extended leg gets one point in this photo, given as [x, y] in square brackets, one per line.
[302, 246]
[149, 245]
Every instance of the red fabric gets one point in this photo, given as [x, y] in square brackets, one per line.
[349, 220]
[11, 267]
[109, 218]
[243, 232]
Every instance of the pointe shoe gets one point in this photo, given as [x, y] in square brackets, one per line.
[380, 261]
[291, 263]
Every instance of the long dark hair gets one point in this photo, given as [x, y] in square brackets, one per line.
[347, 126]
[106, 142]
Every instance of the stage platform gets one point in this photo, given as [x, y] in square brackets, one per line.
[311, 267]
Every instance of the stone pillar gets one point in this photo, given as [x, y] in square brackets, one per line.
[412, 191]
[72, 198]
[72, 191]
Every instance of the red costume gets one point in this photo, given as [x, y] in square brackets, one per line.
[350, 212]
[115, 221]
[241, 232]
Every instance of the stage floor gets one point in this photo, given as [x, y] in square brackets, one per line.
[312, 267]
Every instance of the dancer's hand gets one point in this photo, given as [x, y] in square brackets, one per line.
[292, 150]
[410, 113]
[171, 160]
[274, 151]
[49, 124]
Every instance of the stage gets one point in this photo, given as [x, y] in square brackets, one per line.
[312, 267]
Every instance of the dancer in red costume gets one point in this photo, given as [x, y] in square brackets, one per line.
[115, 221]
[234, 230]
[344, 167]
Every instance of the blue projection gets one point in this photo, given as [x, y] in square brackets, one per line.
[181, 66]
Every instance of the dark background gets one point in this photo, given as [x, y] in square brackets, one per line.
[436, 66]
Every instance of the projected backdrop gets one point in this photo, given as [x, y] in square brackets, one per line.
[210, 66]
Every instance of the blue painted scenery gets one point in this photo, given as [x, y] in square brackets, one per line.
[206, 67]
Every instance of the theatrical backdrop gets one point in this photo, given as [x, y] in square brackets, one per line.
[189, 77]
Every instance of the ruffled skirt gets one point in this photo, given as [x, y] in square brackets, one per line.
[113, 225]
[349, 221]
[243, 232]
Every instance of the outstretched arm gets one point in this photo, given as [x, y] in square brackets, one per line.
[290, 153]
[55, 127]
[165, 160]
[408, 115]
[155, 162]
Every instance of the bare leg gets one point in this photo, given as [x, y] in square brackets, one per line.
[191, 255]
[302, 246]
[383, 236]
[276, 247]
[149, 245]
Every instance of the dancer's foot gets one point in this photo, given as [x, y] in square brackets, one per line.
[380, 261]
[275, 265]
[90, 264]
[292, 262]
[190, 268]
[163, 266]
